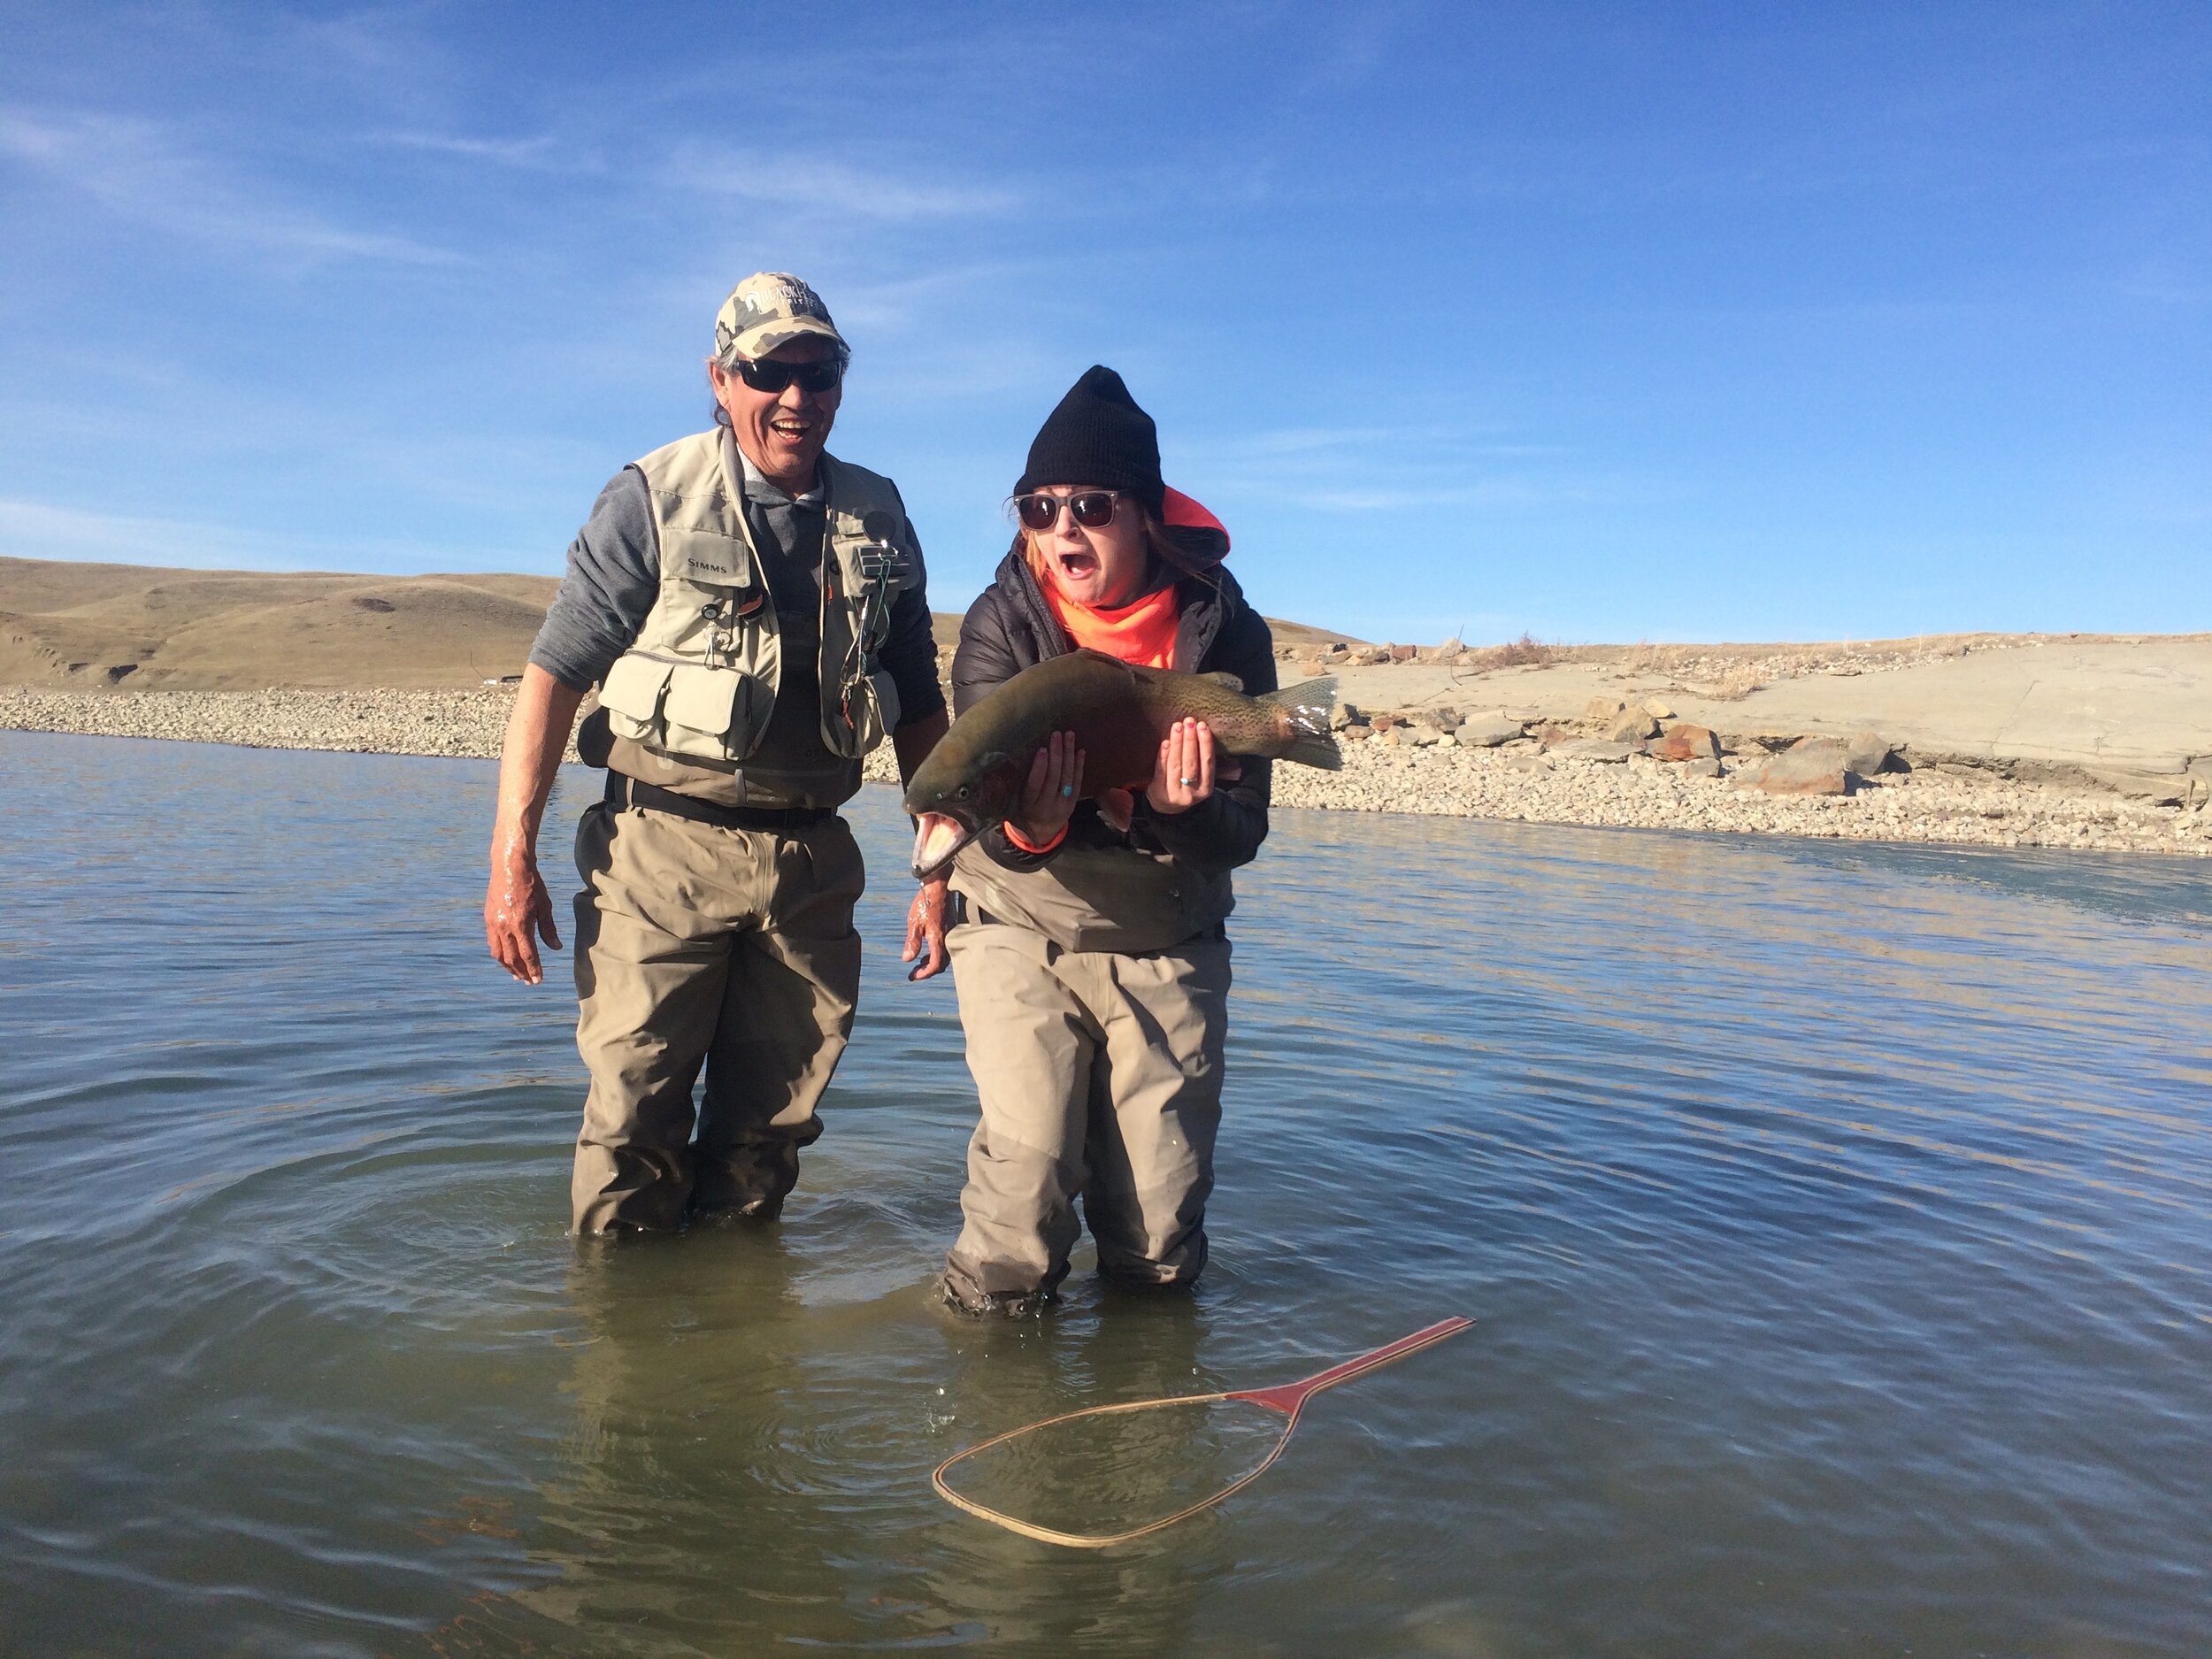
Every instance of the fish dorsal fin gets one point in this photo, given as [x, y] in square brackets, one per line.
[1227, 682]
[1108, 656]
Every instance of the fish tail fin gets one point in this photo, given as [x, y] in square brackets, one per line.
[1305, 709]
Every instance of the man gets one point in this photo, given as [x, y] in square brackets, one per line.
[754, 612]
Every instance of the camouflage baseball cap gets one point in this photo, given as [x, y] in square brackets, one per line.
[767, 310]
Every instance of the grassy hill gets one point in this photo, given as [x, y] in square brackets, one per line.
[91, 627]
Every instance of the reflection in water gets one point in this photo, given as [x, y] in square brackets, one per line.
[1835, 1218]
[733, 1471]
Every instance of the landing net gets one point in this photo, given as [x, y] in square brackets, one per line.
[1109, 1474]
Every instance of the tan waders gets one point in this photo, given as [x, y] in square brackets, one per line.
[698, 944]
[1100, 1073]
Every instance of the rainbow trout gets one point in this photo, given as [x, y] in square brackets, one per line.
[1119, 713]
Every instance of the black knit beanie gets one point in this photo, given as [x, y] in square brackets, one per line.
[1098, 435]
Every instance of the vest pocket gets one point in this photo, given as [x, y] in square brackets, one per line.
[706, 557]
[887, 711]
[701, 698]
[633, 691]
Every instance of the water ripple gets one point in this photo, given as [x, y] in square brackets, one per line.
[1834, 1217]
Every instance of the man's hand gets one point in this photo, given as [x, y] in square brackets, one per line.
[925, 928]
[518, 910]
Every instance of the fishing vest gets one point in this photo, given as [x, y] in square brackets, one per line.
[699, 682]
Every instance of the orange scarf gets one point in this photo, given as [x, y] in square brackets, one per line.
[1143, 633]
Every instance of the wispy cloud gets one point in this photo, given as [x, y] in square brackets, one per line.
[146, 172]
[543, 153]
[824, 186]
[1405, 443]
[1378, 469]
[36, 530]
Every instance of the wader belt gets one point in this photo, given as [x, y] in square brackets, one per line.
[623, 790]
[973, 912]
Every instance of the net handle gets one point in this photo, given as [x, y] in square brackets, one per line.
[1290, 1398]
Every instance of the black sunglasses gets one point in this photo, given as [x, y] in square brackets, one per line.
[1092, 509]
[766, 374]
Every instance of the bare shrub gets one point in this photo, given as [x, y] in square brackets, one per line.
[1735, 683]
[1526, 652]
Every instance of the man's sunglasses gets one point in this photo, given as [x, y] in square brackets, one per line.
[766, 374]
[1092, 508]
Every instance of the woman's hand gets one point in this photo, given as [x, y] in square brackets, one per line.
[925, 929]
[1048, 798]
[1184, 773]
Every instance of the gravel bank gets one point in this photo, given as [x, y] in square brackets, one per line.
[1518, 782]
[1515, 781]
[462, 723]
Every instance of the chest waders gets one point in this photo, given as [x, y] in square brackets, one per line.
[714, 948]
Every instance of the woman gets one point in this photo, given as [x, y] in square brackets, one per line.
[1093, 968]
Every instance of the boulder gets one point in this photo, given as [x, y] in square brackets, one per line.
[1382, 722]
[2152, 788]
[1868, 752]
[1436, 740]
[1658, 709]
[1356, 733]
[1630, 725]
[1487, 730]
[1595, 749]
[1601, 711]
[1443, 718]
[1686, 741]
[1757, 743]
[1814, 765]
[1388, 735]
[1405, 653]
[1706, 766]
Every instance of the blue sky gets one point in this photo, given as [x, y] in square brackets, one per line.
[1663, 322]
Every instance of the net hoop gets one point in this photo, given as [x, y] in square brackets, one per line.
[1288, 1398]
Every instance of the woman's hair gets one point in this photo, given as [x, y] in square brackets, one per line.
[1160, 547]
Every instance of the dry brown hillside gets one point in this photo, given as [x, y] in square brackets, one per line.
[93, 627]
[64, 624]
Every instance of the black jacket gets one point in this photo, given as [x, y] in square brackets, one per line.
[1010, 627]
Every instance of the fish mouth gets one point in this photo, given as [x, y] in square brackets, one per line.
[936, 839]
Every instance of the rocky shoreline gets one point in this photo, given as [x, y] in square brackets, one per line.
[1610, 769]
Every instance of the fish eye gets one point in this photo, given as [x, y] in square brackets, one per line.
[962, 792]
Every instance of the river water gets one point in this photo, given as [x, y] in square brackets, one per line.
[1834, 1219]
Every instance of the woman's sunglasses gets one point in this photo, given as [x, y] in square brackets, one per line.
[1092, 508]
[768, 375]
